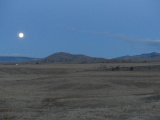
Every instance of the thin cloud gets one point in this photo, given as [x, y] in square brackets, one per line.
[153, 41]
[118, 36]
[123, 37]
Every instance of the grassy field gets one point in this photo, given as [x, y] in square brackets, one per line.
[125, 91]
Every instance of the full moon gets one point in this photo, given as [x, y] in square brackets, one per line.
[21, 35]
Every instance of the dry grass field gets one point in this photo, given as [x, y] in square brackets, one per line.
[125, 91]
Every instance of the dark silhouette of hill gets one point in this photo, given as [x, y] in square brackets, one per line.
[147, 56]
[63, 57]
[15, 58]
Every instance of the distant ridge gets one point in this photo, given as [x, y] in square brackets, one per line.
[15, 58]
[153, 55]
[62, 57]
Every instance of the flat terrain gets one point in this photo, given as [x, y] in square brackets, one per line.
[125, 91]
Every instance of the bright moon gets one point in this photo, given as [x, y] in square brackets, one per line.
[21, 35]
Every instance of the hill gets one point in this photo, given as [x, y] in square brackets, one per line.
[63, 57]
[15, 58]
[148, 56]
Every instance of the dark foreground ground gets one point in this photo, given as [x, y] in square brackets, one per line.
[80, 92]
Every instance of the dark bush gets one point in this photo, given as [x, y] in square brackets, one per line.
[131, 68]
[117, 68]
[113, 69]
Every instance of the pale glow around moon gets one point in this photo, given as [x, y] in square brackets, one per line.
[21, 35]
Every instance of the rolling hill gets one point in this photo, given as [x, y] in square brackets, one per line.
[146, 56]
[62, 57]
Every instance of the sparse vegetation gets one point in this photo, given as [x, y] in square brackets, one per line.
[117, 68]
[78, 91]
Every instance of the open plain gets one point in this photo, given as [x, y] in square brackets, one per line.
[106, 91]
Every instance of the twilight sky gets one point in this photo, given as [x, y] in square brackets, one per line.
[97, 28]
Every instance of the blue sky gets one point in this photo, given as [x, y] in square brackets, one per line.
[98, 28]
